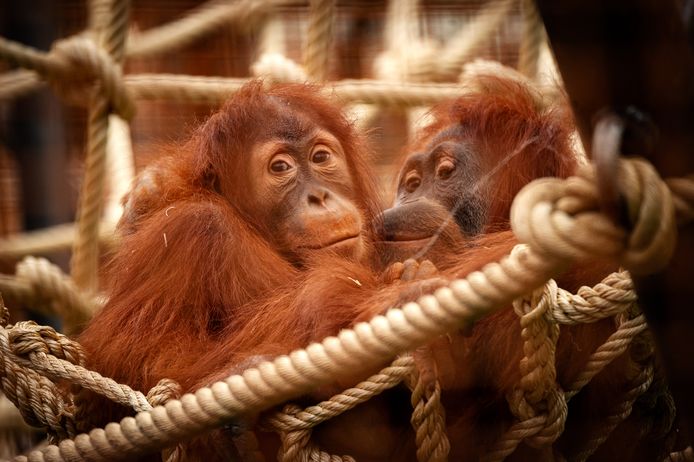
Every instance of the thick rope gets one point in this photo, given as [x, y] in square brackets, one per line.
[459, 49]
[17, 83]
[30, 347]
[295, 425]
[70, 66]
[79, 61]
[217, 89]
[49, 240]
[683, 190]
[120, 167]
[110, 22]
[84, 265]
[542, 217]
[51, 287]
[39, 401]
[200, 22]
[532, 39]
[613, 348]
[619, 412]
[428, 416]
[611, 296]
[459, 304]
[318, 38]
[537, 403]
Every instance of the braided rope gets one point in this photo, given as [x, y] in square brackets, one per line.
[428, 416]
[17, 83]
[30, 347]
[111, 19]
[611, 296]
[112, 30]
[318, 38]
[683, 190]
[52, 287]
[295, 425]
[620, 411]
[39, 401]
[537, 403]
[84, 264]
[542, 217]
[217, 89]
[532, 39]
[368, 344]
[458, 50]
[119, 166]
[613, 347]
[200, 22]
[49, 240]
[44, 287]
[73, 64]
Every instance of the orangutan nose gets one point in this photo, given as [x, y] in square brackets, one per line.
[318, 197]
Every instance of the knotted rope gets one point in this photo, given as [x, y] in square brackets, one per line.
[560, 220]
[70, 66]
[463, 301]
[532, 39]
[318, 38]
[428, 416]
[49, 286]
[33, 359]
[295, 425]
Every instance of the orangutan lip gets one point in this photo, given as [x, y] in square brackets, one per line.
[334, 242]
[398, 240]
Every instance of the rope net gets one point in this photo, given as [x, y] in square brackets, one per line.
[558, 222]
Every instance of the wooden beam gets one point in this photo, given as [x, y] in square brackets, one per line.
[622, 54]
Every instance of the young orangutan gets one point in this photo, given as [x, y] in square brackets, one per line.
[265, 218]
[461, 175]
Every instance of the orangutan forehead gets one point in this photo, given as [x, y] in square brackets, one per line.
[453, 132]
[289, 123]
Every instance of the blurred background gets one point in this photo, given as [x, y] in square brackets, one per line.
[43, 139]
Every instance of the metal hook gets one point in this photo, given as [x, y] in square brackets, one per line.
[630, 131]
[607, 140]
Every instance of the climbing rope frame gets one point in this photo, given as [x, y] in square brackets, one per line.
[558, 222]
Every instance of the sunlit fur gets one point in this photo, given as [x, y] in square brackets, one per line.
[192, 257]
[225, 299]
[479, 369]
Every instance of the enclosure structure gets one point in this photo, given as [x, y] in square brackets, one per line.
[88, 67]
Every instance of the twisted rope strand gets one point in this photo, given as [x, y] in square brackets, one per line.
[613, 347]
[532, 39]
[368, 344]
[318, 38]
[198, 23]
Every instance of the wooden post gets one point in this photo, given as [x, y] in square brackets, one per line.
[624, 54]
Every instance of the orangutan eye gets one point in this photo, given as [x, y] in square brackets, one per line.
[320, 156]
[280, 166]
[412, 183]
[445, 169]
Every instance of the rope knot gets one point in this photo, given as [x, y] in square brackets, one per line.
[80, 65]
[560, 218]
[538, 401]
[417, 62]
[27, 337]
[4, 313]
[276, 68]
[164, 391]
